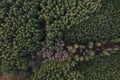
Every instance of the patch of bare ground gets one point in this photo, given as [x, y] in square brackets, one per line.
[11, 77]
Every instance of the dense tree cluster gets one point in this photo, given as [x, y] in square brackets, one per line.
[21, 33]
[100, 68]
[57, 71]
[102, 25]
[34, 33]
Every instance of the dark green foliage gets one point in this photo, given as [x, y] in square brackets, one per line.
[65, 14]
[99, 68]
[101, 25]
[116, 40]
[23, 25]
[21, 33]
[57, 71]
[28, 26]
[103, 68]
